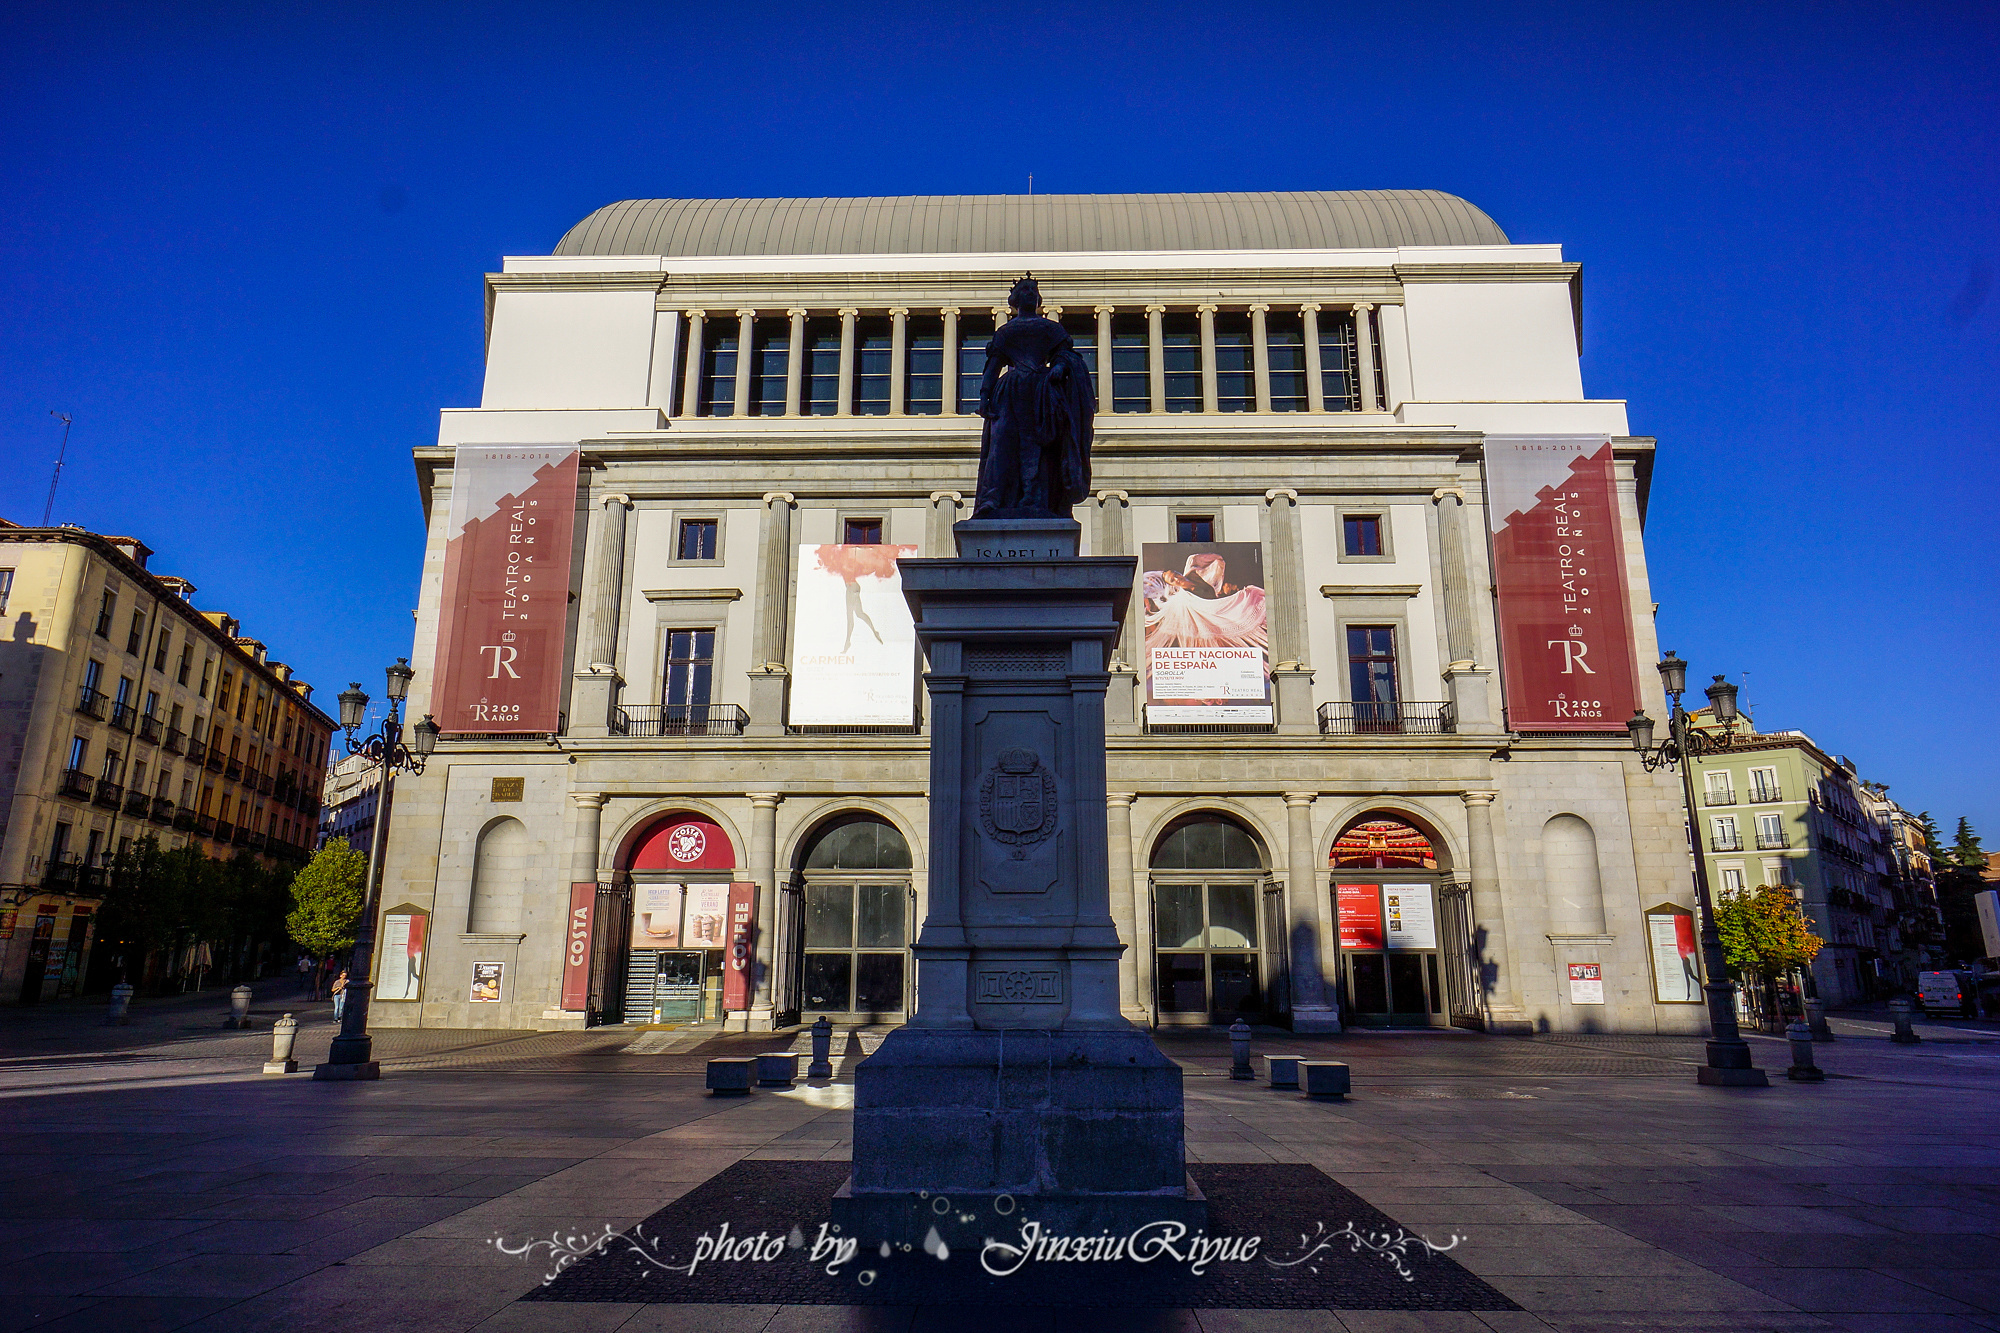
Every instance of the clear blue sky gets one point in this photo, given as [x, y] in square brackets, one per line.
[243, 247]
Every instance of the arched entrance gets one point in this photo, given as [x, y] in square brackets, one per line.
[677, 871]
[856, 902]
[1210, 939]
[1385, 890]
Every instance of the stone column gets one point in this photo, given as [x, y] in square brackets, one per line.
[1260, 353]
[1315, 385]
[1465, 679]
[1313, 943]
[691, 381]
[767, 628]
[795, 364]
[1491, 951]
[584, 839]
[1208, 391]
[938, 542]
[1124, 901]
[1156, 359]
[595, 689]
[949, 407]
[1289, 650]
[899, 352]
[1364, 357]
[1104, 314]
[746, 344]
[764, 872]
[845, 407]
[1114, 537]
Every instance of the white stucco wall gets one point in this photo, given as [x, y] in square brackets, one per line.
[569, 349]
[1491, 341]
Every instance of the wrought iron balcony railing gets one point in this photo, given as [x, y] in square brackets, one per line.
[124, 716]
[137, 802]
[1763, 794]
[109, 794]
[173, 741]
[1387, 718]
[92, 702]
[679, 720]
[76, 784]
[197, 752]
[1767, 842]
[1727, 796]
[1732, 843]
[163, 810]
[224, 830]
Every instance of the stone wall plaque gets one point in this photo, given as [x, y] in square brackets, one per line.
[1019, 985]
[509, 789]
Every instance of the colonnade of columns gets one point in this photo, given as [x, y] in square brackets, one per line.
[697, 322]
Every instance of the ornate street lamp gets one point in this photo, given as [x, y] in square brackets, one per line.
[350, 1056]
[1729, 1063]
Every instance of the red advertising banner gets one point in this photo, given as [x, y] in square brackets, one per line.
[741, 960]
[576, 949]
[1566, 653]
[1360, 909]
[503, 618]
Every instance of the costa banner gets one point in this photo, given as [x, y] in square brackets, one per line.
[1207, 632]
[739, 967]
[1566, 655]
[505, 611]
[576, 950]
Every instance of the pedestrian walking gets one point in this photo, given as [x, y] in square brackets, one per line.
[339, 994]
[305, 970]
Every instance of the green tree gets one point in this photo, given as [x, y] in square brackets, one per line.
[1961, 874]
[1933, 840]
[1965, 848]
[327, 894]
[1765, 935]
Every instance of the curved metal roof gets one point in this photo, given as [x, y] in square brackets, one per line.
[1013, 223]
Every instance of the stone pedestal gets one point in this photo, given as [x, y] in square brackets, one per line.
[1017, 1090]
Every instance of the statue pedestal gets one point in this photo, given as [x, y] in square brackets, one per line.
[1017, 1075]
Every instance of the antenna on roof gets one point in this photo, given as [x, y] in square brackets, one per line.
[49, 508]
[1031, 185]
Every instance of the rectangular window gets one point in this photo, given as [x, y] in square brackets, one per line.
[923, 367]
[1732, 879]
[228, 685]
[79, 752]
[689, 675]
[1180, 354]
[60, 847]
[124, 690]
[1770, 831]
[974, 332]
[1721, 787]
[152, 708]
[1285, 345]
[113, 761]
[162, 644]
[1372, 674]
[1776, 870]
[718, 373]
[1723, 827]
[104, 613]
[822, 383]
[1362, 534]
[1764, 785]
[6, 588]
[135, 637]
[697, 539]
[187, 660]
[873, 356]
[1083, 333]
[93, 672]
[1131, 380]
[862, 532]
[207, 672]
[1235, 364]
[1194, 527]
[771, 361]
[1337, 361]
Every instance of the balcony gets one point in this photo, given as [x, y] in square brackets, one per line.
[163, 810]
[205, 825]
[197, 753]
[1771, 842]
[124, 716]
[265, 782]
[1764, 795]
[1731, 843]
[1394, 718]
[68, 874]
[137, 803]
[679, 720]
[76, 784]
[173, 740]
[184, 819]
[216, 759]
[149, 729]
[92, 703]
[1725, 797]
[243, 835]
[232, 769]
[224, 830]
[109, 794]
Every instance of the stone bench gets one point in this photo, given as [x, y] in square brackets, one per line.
[1283, 1070]
[732, 1075]
[1325, 1080]
[777, 1069]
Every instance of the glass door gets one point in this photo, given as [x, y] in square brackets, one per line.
[1207, 966]
[1389, 955]
[856, 947]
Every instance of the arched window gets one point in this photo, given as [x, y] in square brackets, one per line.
[499, 878]
[1207, 842]
[1207, 873]
[1381, 842]
[856, 927]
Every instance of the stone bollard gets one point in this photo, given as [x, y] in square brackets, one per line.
[283, 1033]
[777, 1069]
[1239, 1052]
[1816, 1020]
[821, 1066]
[121, 1002]
[239, 1008]
[1283, 1070]
[1904, 1034]
[1803, 1069]
[732, 1076]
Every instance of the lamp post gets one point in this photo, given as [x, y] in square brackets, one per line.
[350, 1054]
[1729, 1063]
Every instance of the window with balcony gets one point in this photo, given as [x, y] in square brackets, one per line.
[1764, 785]
[1361, 534]
[1723, 834]
[79, 750]
[697, 539]
[1771, 831]
[689, 676]
[1732, 879]
[1372, 676]
[1721, 787]
[1194, 527]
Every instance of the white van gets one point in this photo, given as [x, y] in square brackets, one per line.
[1947, 993]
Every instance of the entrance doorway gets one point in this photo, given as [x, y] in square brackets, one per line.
[1209, 964]
[852, 948]
[1385, 891]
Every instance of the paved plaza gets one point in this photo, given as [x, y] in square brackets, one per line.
[156, 1180]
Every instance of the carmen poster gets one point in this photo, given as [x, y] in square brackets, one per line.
[402, 958]
[1566, 652]
[1207, 632]
[854, 645]
[504, 615]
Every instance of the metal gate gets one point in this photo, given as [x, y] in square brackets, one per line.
[612, 928]
[1461, 967]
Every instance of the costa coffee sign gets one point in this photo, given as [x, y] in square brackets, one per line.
[684, 842]
[1566, 655]
[576, 947]
[504, 614]
[739, 967]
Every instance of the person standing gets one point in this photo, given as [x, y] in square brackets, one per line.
[305, 968]
[339, 994]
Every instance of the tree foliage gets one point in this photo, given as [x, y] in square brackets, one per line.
[1965, 849]
[164, 900]
[327, 900]
[1765, 932]
[1961, 874]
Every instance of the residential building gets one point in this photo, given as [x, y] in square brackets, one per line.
[1914, 927]
[1307, 397]
[126, 713]
[348, 801]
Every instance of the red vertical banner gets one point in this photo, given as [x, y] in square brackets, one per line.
[740, 962]
[504, 614]
[1360, 912]
[576, 947]
[1566, 654]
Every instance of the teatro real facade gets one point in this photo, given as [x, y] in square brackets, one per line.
[1397, 757]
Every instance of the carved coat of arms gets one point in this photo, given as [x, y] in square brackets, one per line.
[1017, 801]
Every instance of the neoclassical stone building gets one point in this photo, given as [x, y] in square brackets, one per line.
[1309, 386]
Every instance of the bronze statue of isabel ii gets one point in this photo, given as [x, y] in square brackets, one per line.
[1038, 404]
